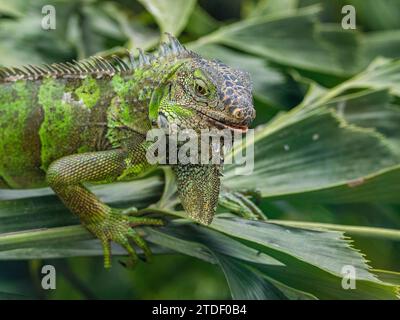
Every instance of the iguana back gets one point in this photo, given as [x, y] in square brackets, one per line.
[46, 114]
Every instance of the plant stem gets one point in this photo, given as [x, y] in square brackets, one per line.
[42, 236]
[384, 233]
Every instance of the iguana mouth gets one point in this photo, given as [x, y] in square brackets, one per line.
[222, 124]
[225, 125]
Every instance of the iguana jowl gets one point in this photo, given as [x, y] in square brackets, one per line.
[66, 124]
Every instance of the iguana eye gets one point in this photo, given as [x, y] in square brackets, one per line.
[200, 88]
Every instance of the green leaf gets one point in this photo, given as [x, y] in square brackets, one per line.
[294, 40]
[388, 276]
[333, 147]
[14, 8]
[324, 285]
[295, 158]
[361, 110]
[266, 7]
[232, 256]
[247, 284]
[30, 43]
[12, 296]
[196, 241]
[171, 15]
[370, 232]
[381, 74]
[216, 242]
[377, 15]
[324, 249]
[382, 43]
[139, 34]
[200, 22]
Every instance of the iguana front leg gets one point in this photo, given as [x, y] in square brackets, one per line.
[66, 177]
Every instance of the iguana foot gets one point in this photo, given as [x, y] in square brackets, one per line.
[120, 229]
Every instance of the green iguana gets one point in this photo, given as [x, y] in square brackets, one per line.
[66, 124]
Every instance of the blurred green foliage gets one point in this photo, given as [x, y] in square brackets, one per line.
[298, 55]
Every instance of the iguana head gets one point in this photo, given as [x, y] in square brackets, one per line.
[202, 94]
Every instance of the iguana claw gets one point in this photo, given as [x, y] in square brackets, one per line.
[120, 229]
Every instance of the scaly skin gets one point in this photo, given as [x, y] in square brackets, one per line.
[67, 124]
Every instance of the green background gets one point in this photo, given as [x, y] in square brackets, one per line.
[295, 51]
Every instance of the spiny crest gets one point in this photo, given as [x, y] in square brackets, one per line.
[171, 49]
[97, 66]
